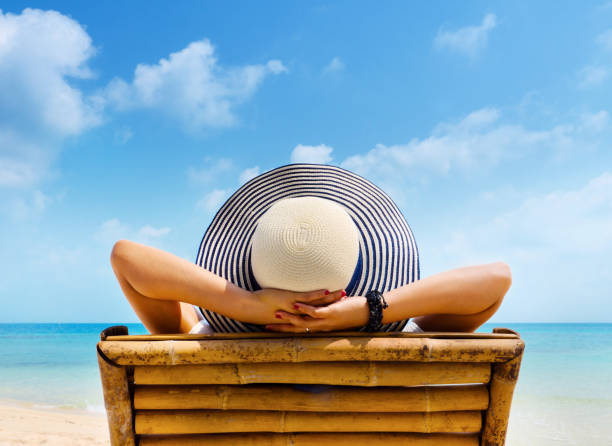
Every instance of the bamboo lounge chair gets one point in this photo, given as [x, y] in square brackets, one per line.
[337, 389]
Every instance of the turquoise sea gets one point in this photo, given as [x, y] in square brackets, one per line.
[563, 397]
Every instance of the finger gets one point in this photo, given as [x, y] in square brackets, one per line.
[312, 311]
[293, 319]
[301, 323]
[326, 299]
[293, 310]
[312, 295]
[319, 303]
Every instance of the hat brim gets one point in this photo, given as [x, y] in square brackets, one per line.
[388, 251]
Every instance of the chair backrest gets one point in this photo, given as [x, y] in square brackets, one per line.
[331, 389]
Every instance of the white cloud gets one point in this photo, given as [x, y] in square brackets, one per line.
[112, 230]
[557, 244]
[220, 172]
[475, 141]
[479, 141]
[276, 67]
[605, 39]
[151, 232]
[213, 199]
[123, 135]
[248, 174]
[595, 122]
[472, 140]
[192, 86]
[573, 221]
[40, 201]
[212, 170]
[592, 76]
[25, 158]
[334, 66]
[27, 206]
[320, 154]
[469, 40]
[596, 74]
[40, 51]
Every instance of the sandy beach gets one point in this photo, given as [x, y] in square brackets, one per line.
[28, 424]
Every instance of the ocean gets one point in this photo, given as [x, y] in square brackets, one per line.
[563, 396]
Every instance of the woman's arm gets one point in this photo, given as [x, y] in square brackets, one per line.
[155, 283]
[461, 299]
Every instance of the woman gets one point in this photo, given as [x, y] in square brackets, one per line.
[305, 248]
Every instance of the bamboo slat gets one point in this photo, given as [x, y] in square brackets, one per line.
[310, 349]
[503, 381]
[117, 402]
[228, 421]
[505, 331]
[315, 439]
[333, 399]
[118, 331]
[498, 333]
[348, 373]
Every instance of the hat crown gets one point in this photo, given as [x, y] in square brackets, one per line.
[305, 244]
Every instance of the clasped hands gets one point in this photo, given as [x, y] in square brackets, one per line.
[313, 311]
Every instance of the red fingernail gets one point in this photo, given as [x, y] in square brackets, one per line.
[278, 316]
[343, 293]
[296, 306]
[326, 292]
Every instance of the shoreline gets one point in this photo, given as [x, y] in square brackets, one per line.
[31, 423]
[49, 407]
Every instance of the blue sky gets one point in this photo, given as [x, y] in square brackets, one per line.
[487, 122]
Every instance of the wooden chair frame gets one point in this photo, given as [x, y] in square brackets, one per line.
[319, 389]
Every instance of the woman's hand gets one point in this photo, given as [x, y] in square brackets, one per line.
[289, 301]
[351, 312]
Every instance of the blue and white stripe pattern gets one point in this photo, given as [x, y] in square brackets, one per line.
[388, 252]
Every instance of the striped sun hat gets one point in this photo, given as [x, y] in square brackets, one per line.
[385, 253]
